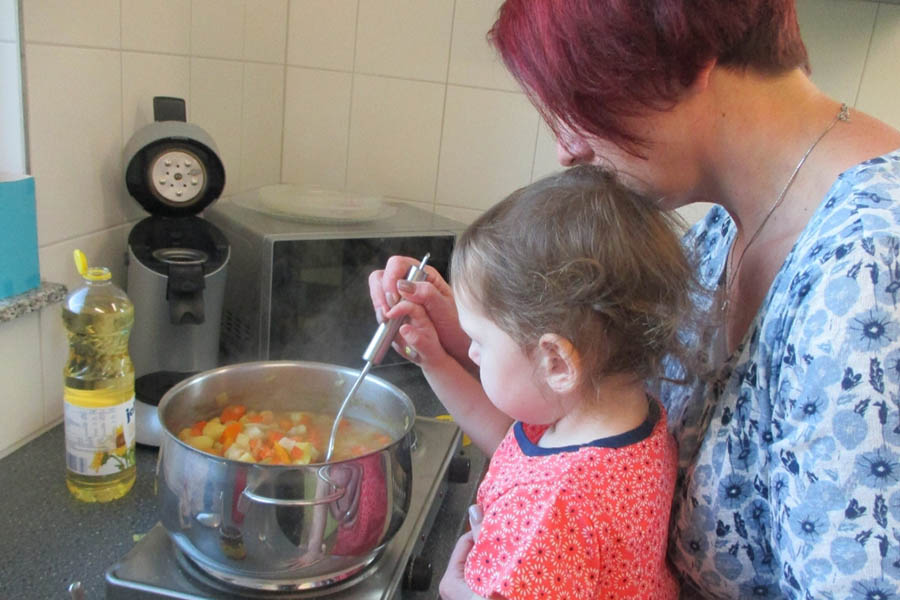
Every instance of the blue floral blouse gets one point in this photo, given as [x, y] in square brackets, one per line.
[789, 476]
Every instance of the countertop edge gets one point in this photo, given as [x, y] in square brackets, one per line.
[33, 300]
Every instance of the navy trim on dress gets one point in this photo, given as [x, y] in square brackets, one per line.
[620, 440]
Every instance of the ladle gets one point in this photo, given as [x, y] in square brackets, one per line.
[375, 352]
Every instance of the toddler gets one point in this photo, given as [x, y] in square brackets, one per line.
[572, 290]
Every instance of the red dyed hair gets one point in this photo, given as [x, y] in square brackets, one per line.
[589, 64]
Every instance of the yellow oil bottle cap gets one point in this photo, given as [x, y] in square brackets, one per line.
[90, 273]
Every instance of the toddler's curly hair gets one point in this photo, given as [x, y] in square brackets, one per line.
[578, 254]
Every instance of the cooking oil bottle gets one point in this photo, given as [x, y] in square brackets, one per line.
[99, 388]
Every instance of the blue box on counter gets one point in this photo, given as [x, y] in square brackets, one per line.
[19, 268]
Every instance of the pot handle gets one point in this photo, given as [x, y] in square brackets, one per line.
[332, 497]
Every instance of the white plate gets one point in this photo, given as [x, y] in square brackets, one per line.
[316, 205]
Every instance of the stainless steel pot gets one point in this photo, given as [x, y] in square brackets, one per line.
[277, 527]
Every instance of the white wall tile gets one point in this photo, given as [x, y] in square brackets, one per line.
[217, 28]
[878, 94]
[317, 122]
[145, 76]
[75, 137]
[94, 23]
[404, 38]
[54, 353]
[157, 26]
[104, 248]
[487, 147]
[265, 30]
[463, 215]
[545, 159]
[262, 125]
[395, 137]
[12, 133]
[836, 33]
[20, 359]
[9, 22]
[322, 33]
[216, 94]
[472, 60]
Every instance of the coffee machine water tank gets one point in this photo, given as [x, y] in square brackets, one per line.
[177, 261]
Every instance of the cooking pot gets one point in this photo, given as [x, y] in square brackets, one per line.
[284, 527]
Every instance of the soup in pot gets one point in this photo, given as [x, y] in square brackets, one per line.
[281, 437]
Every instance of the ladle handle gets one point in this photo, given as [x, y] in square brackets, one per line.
[387, 331]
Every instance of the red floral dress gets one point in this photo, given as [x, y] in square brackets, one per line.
[586, 521]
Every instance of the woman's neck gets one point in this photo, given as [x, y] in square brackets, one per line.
[757, 131]
[617, 406]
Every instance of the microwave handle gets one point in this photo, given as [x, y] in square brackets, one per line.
[387, 331]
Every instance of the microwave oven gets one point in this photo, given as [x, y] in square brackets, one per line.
[299, 290]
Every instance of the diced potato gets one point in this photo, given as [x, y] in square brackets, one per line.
[298, 430]
[234, 452]
[247, 457]
[201, 442]
[303, 453]
[213, 428]
[242, 440]
[253, 431]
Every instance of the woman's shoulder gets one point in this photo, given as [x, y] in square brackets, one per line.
[862, 206]
[872, 185]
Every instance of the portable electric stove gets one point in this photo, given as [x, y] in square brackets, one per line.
[155, 568]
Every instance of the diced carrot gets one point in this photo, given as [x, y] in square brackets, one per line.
[262, 453]
[197, 428]
[285, 424]
[344, 425]
[296, 453]
[274, 436]
[233, 412]
[230, 434]
[257, 418]
[281, 454]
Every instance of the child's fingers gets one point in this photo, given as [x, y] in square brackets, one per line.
[453, 583]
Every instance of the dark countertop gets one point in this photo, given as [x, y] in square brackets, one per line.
[49, 540]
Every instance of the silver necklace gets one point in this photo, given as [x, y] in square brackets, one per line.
[843, 115]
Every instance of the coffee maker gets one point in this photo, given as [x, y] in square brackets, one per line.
[177, 261]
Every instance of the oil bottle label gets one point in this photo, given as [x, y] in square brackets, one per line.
[99, 441]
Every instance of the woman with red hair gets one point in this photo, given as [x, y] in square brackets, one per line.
[789, 440]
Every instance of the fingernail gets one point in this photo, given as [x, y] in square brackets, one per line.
[475, 514]
[391, 298]
[406, 286]
[379, 315]
[410, 353]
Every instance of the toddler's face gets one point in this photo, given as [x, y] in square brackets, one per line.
[508, 376]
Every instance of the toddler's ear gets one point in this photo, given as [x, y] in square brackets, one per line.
[560, 363]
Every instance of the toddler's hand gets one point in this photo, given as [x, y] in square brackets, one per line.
[453, 583]
[418, 339]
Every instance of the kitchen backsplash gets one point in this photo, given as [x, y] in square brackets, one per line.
[396, 97]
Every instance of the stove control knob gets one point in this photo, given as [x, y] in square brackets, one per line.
[458, 470]
[417, 577]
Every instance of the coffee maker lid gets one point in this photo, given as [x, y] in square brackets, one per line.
[172, 167]
[161, 242]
